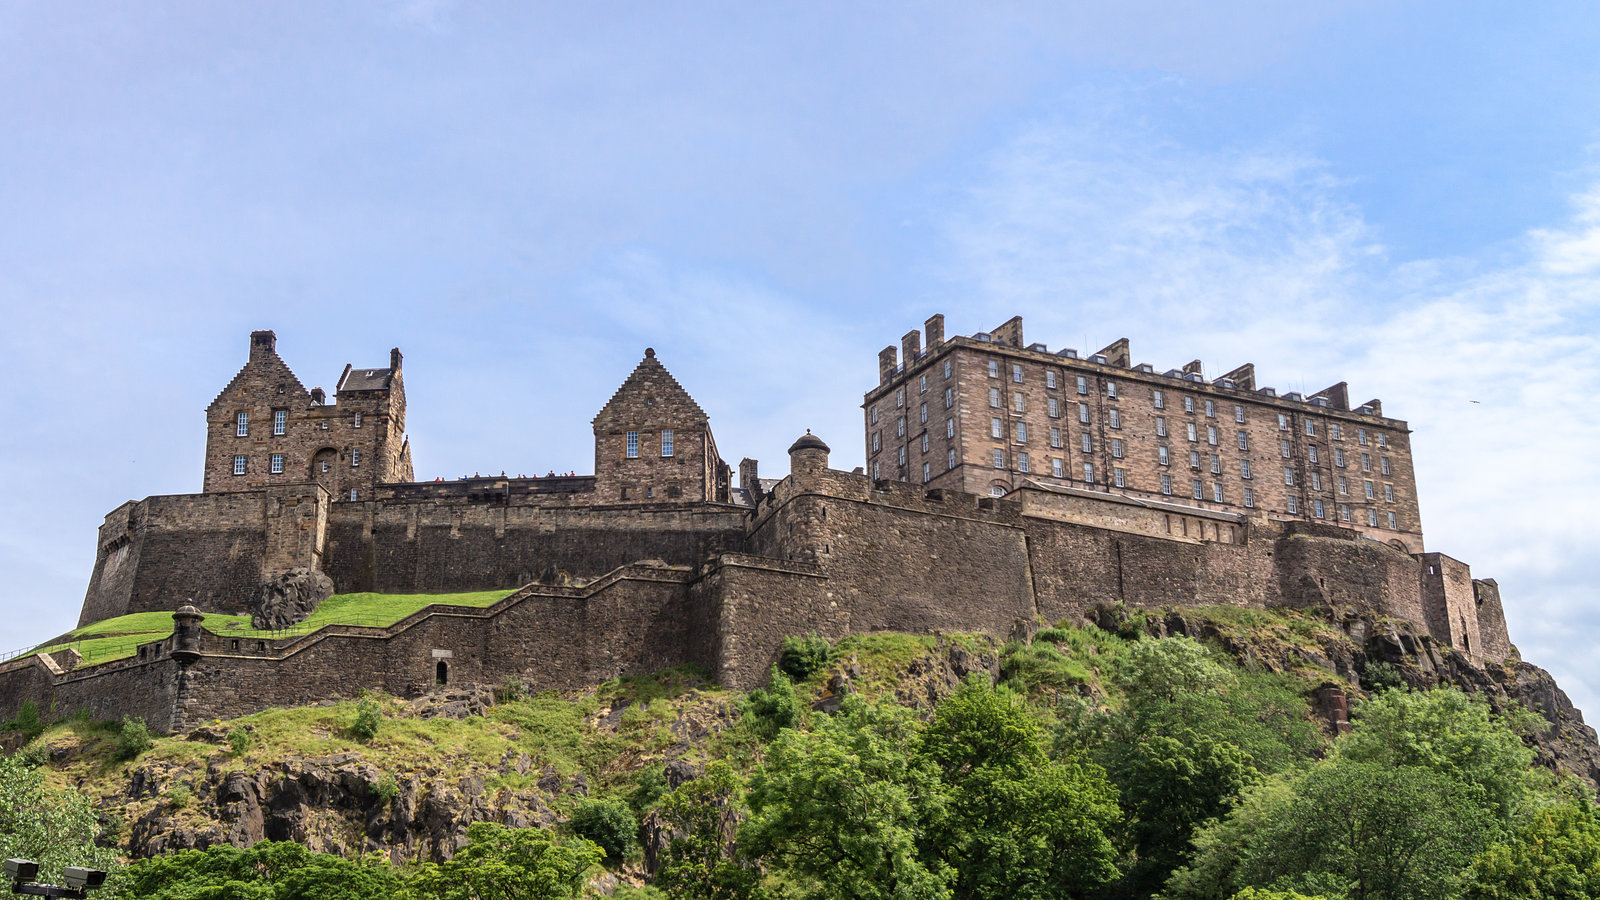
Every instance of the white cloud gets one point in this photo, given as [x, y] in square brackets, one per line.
[1255, 255]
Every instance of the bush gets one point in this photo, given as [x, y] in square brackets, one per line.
[33, 755]
[804, 655]
[134, 738]
[1381, 676]
[649, 787]
[610, 824]
[1053, 635]
[26, 722]
[510, 690]
[774, 707]
[180, 796]
[386, 788]
[368, 718]
[239, 741]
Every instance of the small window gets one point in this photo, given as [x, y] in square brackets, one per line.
[633, 445]
[1056, 468]
[1211, 409]
[1216, 492]
[1016, 374]
[927, 473]
[1088, 443]
[1283, 422]
[1361, 436]
[1166, 484]
[1385, 466]
[1311, 428]
[1344, 512]
[1083, 385]
[1388, 492]
[1083, 413]
[1022, 462]
[994, 368]
[1161, 456]
[1335, 432]
[277, 464]
[1199, 492]
[1115, 418]
[1249, 499]
[1294, 504]
[1055, 437]
[1244, 441]
[1283, 448]
[1161, 426]
[950, 459]
[1211, 435]
[1372, 518]
[1216, 464]
[924, 442]
[999, 459]
[1391, 523]
[997, 491]
[1238, 414]
[241, 424]
[949, 428]
[1383, 441]
[1111, 391]
[666, 441]
[324, 465]
[1158, 400]
[1188, 404]
[1288, 477]
[874, 417]
[875, 477]
[1366, 462]
[238, 465]
[949, 398]
[947, 368]
[357, 422]
[1338, 457]
[1088, 473]
[1311, 453]
[1022, 432]
[1116, 448]
[353, 494]
[1317, 507]
[1244, 468]
[1193, 434]
[1119, 478]
[1054, 407]
[1050, 378]
[902, 452]
[355, 459]
[1316, 481]
[996, 430]
[1369, 489]
[900, 397]
[1194, 459]
[922, 385]
[280, 421]
[1344, 486]
[994, 398]
[877, 441]
[1016, 401]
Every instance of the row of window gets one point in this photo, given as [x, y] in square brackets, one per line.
[280, 422]
[666, 443]
[241, 464]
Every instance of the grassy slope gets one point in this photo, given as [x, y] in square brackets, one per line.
[112, 639]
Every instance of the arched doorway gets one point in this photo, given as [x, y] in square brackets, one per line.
[441, 673]
[324, 469]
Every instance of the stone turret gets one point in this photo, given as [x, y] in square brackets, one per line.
[808, 456]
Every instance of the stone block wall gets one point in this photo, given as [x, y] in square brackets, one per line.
[1450, 605]
[1492, 633]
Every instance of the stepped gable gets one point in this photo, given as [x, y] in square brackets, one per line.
[265, 367]
[664, 398]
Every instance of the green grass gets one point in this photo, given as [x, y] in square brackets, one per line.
[112, 639]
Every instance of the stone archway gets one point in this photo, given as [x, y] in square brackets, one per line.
[324, 469]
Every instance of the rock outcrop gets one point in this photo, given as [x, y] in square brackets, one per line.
[289, 598]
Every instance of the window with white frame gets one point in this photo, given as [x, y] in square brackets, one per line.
[1083, 413]
[900, 427]
[924, 442]
[1388, 492]
[999, 459]
[1056, 467]
[633, 445]
[1193, 434]
[1283, 448]
[1050, 378]
[280, 421]
[1088, 444]
[1372, 518]
[947, 368]
[1361, 436]
[1016, 401]
[994, 398]
[1022, 462]
[994, 368]
[1335, 432]
[1162, 458]
[996, 428]
[1116, 448]
[1211, 435]
[1054, 407]
[1366, 462]
[238, 465]
[1311, 453]
[1391, 523]
[1316, 480]
[1211, 409]
[1194, 459]
[1161, 426]
[1016, 373]
[1158, 400]
[1083, 385]
[1188, 404]
[1088, 473]
[1115, 418]
[1344, 512]
[1216, 464]
[1244, 468]
[922, 384]
[873, 417]
[1383, 440]
[1055, 437]
[949, 428]
[666, 441]
[276, 464]
[924, 414]
[1216, 492]
[354, 494]
[1338, 457]
[1166, 484]
[1244, 441]
[997, 491]
[950, 458]
[1283, 422]
[949, 398]
[1369, 489]
[875, 474]
[1238, 414]
[902, 454]
[1022, 432]
[1111, 389]
[1249, 498]
[900, 397]
[1294, 504]
[356, 420]
[1119, 478]
[241, 424]
[1384, 465]
[1311, 428]
[927, 473]
[355, 459]
[1343, 485]
[1199, 491]
[1317, 507]
[1288, 477]
[877, 442]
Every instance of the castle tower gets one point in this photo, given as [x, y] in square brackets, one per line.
[266, 429]
[653, 443]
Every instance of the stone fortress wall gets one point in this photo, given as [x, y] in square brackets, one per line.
[687, 569]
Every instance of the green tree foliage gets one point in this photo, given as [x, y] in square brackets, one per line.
[846, 808]
[268, 870]
[134, 738]
[802, 656]
[26, 722]
[1258, 894]
[502, 863]
[1554, 855]
[704, 814]
[609, 824]
[1018, 824]
[54, 828]
[368, 719]
[774, 707]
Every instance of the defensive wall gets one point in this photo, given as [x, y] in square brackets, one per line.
[821, 551]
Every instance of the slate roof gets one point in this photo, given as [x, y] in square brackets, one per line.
[365, 380]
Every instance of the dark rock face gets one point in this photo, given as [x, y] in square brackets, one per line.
[287, 599]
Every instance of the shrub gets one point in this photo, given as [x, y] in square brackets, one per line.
[180, 796]
[368, 718]
[1381, 676]
[774, 707]
[386, 788]
[1053, 635]
[609, 823]
[648, 788]
[26, 722]
[134, 738]
[33, 755]
[239, 741]
[804, 655]
[510, 690]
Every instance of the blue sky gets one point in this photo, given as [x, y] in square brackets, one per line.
[1405, 196]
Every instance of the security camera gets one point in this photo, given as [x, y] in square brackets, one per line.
[20, 871]
[82, 879]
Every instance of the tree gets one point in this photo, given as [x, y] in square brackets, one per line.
[502, 863]
[704, 814]
[268, 870]
[1554, 855]
[1019, 825]
[54, 828]
[609, 824]
[845, 807]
